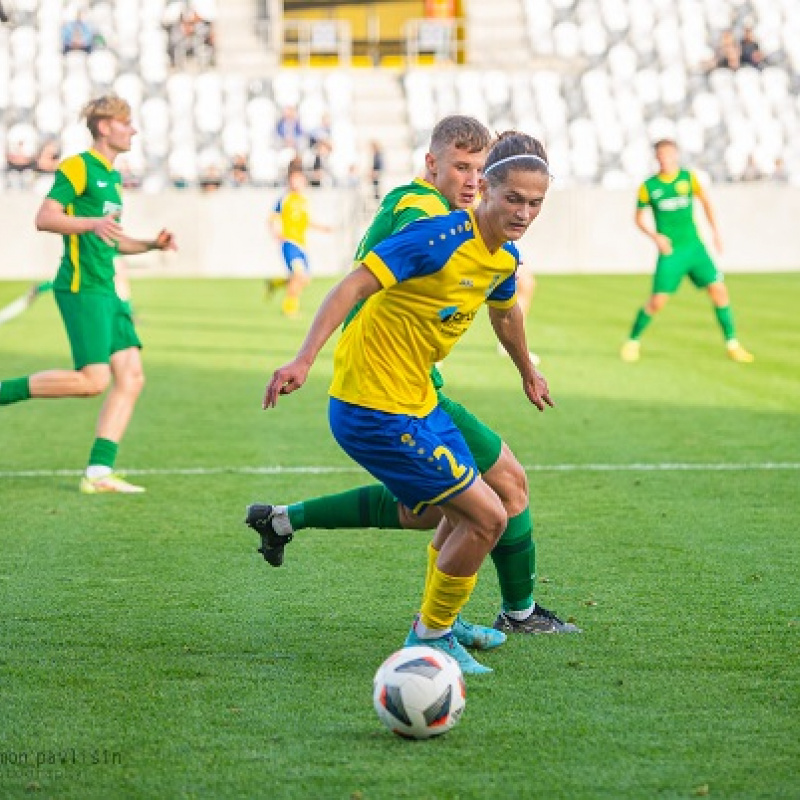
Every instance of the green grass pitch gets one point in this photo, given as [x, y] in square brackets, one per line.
[147, 651]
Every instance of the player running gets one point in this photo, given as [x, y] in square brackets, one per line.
[85, 207]
[681, 252]
[290, 222]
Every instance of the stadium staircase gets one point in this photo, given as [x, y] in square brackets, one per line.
[241, 49]
[497, 34]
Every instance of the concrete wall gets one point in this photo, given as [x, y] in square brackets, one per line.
[579, 230]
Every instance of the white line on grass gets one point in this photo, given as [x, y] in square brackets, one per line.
[663, 467]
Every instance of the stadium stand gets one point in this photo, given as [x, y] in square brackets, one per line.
[597, 79]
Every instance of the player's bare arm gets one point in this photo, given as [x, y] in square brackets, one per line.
[357, 286]
[509, 325]
[53, 218]
[708, 210]
[131, 247]
[663, 243]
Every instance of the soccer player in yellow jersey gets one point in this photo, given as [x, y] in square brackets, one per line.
[423, 287]
[670, 196]
[290, 223]
[85, 206]
[453, 166]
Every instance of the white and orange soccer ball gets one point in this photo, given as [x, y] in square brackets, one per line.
[419, 692]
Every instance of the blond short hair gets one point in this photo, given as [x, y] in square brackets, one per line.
[109, 106]
[464, 133]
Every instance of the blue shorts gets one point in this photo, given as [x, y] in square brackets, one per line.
[292, 254]
[423, 461]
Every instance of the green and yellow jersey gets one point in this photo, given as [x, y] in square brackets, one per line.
[404, 204]
[87, 185]
[671, 197]
[292, 210]
[436, 274]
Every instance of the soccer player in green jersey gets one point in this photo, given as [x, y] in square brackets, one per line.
[452, 171]
[670, 195]
[423, 287]
[85, 206]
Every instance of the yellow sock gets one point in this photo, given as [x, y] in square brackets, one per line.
[290, 305]
[444, 598]
[433, 554]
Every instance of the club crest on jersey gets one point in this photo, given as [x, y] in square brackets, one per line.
[682, 187]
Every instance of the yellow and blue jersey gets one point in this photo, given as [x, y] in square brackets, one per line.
[87, 185]
[292, 209]
[436, 273]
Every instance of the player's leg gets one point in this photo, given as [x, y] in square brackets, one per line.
[426, 462]
[476, 519]
[514, 556]
[704, 274]
[668, 276]
[86, 322]
[128, 381]
[297, 263]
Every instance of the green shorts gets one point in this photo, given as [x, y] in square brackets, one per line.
[692, 260]
[483, 442]
[98, 325]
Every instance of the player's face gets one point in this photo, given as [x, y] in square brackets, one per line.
[667, 157]
[510, 207]
[118, 132]
[456, 174]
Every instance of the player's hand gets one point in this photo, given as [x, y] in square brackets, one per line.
[285, 380]
[165, 241]
[537, 391]
[108, 229]
[664, 244]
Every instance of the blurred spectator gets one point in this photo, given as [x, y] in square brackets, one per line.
[210, 179]
[189, 32]
[321, 173]
[323, 132]
[130, 179]
[751, 55]
[289, 131]
[377, 168]
[77, 34]
[780, 173]
[20, 163]
[49, 157]
[728, 53]
[751, 171]
[205, 17]
[240, 172]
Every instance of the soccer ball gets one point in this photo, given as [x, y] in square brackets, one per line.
[419, 692]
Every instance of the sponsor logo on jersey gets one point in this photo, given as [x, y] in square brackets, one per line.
[674, 203]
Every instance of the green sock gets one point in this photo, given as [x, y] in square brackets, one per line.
[514, 559]
[643, 319]
[13, 390]
[366, 507]
[104, 453]
[725, 320]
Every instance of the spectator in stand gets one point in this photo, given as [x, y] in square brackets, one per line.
[289, 132]
[376, 170]
[321, 173]
[205, 17]
[49, 157]
[323, 132]
[728, 54]
[210, 179]
[240, 172]
[751, 55]
[77, 34]
[20, 163]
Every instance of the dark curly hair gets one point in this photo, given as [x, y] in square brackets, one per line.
[507, 148]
